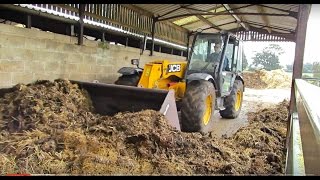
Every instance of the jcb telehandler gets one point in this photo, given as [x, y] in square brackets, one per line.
[201, 85]
[208, 81]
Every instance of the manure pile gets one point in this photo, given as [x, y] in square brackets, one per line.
[262, 79]
[51, 128]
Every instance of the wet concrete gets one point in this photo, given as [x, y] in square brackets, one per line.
[253, 100]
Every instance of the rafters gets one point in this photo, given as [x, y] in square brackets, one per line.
[295, 14]
[174, 10]
[266, 21]
[227, 7]
[223, 13]
[205, 20]
[268, 26]
[231, 9]
[220, 25]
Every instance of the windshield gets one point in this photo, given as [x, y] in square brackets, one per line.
[206, 53]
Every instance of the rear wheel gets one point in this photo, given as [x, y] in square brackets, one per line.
[197, 107]
[128, 80]
[233, 102]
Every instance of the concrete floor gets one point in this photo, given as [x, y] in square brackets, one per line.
[253, 100]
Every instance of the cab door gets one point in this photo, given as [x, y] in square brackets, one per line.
[228, 77]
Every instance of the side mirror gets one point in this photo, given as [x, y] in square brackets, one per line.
[135, 62]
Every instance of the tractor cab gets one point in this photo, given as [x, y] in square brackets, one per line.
[218, 56]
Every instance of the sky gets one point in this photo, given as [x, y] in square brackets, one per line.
[312, 44]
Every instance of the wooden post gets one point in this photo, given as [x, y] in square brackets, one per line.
[188, 44]
[70, 30]
[81, 16]
[103, 39]
[154, 20]
[72, 33]
[143, 44]
[28, 25]
[300, 35]
[303, 15]
[127, 41]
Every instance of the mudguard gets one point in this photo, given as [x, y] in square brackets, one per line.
[129, 70]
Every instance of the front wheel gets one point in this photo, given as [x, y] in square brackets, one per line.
[128, 80]
[197, 107]
[233, 102]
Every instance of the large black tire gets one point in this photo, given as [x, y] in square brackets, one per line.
[195, 107]
[128, 80]
[233, 102]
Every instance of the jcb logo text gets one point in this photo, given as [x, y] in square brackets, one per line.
[174, 68]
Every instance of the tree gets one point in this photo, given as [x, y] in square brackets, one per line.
[269, 57]
[316, 69]
[289, 67]
[244, 62]
[307, 68]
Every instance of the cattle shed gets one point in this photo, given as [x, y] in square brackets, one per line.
[88, 42]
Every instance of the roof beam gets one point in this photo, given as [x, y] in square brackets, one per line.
[223, 13]
[213, 15]
[209, 11]
[274, 33]
[268, 26]
[205, 20]
[294, 14]
[220, 25]
[265, 19]
[200, 10]
[173, 10]
[227, 7]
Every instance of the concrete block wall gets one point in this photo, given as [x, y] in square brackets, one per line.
[27, 55]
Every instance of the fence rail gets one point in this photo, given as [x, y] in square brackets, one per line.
[303, 146]
[123, 18]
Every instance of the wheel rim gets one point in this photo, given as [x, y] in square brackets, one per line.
[207, 113]
[238, 101]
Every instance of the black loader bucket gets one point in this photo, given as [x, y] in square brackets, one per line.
[109, 99]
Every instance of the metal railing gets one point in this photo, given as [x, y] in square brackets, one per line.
[314, 81]
[303, 145]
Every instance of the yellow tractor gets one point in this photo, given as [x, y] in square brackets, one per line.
[209, 80]
[156, 75]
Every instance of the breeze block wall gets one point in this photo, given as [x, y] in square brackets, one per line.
[27, 55]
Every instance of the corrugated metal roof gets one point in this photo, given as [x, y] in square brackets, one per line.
[163, 9]
[231, 22]
[291, 7]
[284, 24]
[160, 9]
[217, 21]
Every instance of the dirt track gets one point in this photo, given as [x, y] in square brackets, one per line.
[263, 89]
[253, 100]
